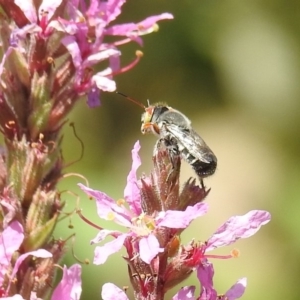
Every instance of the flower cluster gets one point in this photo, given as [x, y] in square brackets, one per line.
[53, 52]
[19, 276]
[154, 213]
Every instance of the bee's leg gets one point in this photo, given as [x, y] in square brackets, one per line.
[173, 151]
[202, 183]
[167, 144]
[160, 144]
[203, 187]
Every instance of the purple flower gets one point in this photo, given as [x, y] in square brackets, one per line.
[83, 35]
[69, 288]
[154, 214]
[195, 255]
[142, 227]
[235, 228]
[11, 239]
[205, 274]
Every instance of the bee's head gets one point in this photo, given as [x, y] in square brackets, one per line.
[147, 121]
[151, 118]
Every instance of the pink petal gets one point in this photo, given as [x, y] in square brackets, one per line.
[114, 62]
[107, 207]
[28, 10]
[21, 34]
[33, 296]
[238, 227]
[102, 234]
[63, 25]
[111, 9]
[143, 27]
[149, 248]
[93, 98]
[181, 219]
[205, 274]
[185, 293]
[112, 292]
[49, 6]
[72, 46]
[150, 21]
[10, 240]
[103, 83]
[132, 191]
[41, 253]
[103, 252]
[101, 56]
[69, 287]
[237, 290]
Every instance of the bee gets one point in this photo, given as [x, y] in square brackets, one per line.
[175, 131]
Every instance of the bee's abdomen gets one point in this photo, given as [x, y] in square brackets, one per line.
[201, 159]
[204, 169]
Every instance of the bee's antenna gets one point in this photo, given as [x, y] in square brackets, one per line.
[132, 100]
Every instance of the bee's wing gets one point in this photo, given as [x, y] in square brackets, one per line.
[190, 140]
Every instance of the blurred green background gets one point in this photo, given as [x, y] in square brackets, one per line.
[234, 68]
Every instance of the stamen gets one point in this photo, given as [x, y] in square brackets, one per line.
[138, 54]
[110, 216]
[50, 61]
[86, 261]
[120, 202]
[10, 124]
[235, 253]
[155, 27]
[87, 221]
[81, 146]
[122, 42]
[219, 256]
